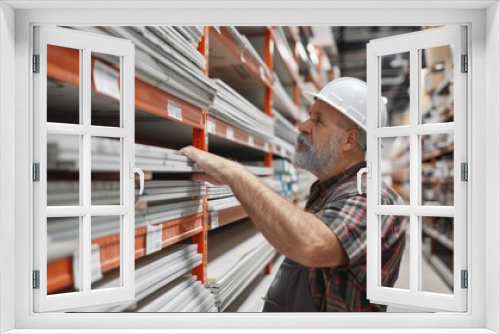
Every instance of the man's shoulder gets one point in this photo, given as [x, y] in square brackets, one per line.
[389, 196]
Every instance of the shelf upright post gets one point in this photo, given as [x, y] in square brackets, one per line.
[200, 140]
[268, 105]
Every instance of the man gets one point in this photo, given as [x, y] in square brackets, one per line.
[325, 245]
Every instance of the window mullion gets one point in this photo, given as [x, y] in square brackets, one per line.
[86, 166]
[414, 170]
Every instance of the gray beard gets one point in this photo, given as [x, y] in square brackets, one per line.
[317, 161]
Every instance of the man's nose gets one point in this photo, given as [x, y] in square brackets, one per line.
[305, 126]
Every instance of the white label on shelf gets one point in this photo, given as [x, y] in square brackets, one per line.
[174, 110]
[251, 141]
[95, 266]
[214, 220]
[106, 80]
[230, 133]
[211, 126]
[262, 74]
[154, 238]
[266, 146]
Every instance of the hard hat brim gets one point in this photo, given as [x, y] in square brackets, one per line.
[311, 97]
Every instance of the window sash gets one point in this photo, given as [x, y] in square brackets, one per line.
[86, 43]
[412, 43]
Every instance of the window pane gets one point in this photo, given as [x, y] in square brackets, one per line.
[105, 100]
[437, 85]
[63, 83]
[437, 251]
[395, 165]
[106, 166]
[63, 170]
[395, 86]
[106, 237]
[395, 252]
[437, 169]
[63, 237]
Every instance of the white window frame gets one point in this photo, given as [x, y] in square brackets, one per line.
[86, 43]
[482, 19]
[416, 43]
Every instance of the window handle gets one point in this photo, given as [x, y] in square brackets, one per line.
[139, 171]
[368, 172]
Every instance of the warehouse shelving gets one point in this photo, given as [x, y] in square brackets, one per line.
[155, 125]
[223, 42]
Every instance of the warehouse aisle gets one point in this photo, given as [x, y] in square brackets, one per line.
[430, 279]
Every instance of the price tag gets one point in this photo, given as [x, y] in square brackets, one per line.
[262, 73]
[251, 141]
[266, 146]
[282, 151]
[230, 133]
[211, 126]
[154, 238]
[95, 266]
[174, 110]
[214, 220]
[106, 80]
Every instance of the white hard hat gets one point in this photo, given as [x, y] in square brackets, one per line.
[348, 95]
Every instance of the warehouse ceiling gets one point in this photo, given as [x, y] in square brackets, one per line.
[351, 59]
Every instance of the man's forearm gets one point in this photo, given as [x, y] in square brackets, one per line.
[297, 234]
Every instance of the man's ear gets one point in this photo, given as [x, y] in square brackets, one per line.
[351, 139]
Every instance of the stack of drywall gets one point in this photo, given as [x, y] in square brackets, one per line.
[284, 129]
[164, 273]
[185, 294]
[108, 192]
[164, 62]
[174, 38]
[252, 299]
[246, 46]
[282, 101]
[222, 204]
[285, 172]
[192, 34]
[152, 158]
[63, 154]
[237, 254]
[155, 214]
[170, 190]
[218, 191]
[234, 109]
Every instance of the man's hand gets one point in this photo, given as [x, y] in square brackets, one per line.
[218, 170]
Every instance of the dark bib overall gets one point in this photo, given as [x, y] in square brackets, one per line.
[290, 291]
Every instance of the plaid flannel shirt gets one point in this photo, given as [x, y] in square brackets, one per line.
[338, 204]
